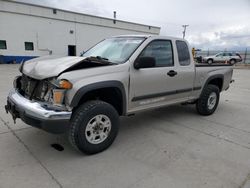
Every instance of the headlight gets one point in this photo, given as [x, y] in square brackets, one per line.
[59, 89]
[62, 84]
[65, 84]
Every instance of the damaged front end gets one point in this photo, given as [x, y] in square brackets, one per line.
[40, 103]
[38, 96]
[50, 91]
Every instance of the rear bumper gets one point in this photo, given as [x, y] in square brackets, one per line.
[37, 114]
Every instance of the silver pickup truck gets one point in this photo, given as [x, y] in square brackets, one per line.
[84, 96]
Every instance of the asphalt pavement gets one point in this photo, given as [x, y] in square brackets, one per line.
[171, 147]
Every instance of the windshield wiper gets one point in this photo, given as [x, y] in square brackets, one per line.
[99, 59]
[102, 58]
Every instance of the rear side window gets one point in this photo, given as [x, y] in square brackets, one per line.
[183, 53]
[162, 51]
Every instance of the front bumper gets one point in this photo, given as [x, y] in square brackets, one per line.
[37, 114]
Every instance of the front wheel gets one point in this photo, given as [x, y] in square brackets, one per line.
[208, 101]
[210, 61]
[94, 127]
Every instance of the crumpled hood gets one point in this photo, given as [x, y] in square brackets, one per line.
[46, 67]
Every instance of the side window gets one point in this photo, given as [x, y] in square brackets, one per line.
[227, 54]
[183, 53]
[161, 50]
[219, 55]
[29, 46]
[3, 45]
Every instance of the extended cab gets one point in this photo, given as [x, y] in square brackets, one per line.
[84, 96]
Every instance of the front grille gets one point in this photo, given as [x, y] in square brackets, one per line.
[33, 89]
[28, 86]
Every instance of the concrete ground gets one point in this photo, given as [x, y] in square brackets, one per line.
[169, 147]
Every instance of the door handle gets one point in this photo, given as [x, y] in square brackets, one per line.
[172, 73]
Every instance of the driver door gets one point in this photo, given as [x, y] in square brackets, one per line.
[154, 86]
[219, 57]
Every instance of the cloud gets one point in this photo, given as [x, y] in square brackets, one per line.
[233, 37]
[86, 6]
[220, 24]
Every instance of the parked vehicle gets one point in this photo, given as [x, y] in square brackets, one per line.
[84, 96]
[224, 57]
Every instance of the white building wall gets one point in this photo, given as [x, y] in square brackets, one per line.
[20, 22]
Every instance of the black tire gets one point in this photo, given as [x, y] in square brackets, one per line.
[81, 118]
[202, 105]
[210, 61]
[232, 61]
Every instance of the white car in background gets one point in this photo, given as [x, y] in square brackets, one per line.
[223, 57]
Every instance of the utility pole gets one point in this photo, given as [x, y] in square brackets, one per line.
[114, 21]
[184, 31]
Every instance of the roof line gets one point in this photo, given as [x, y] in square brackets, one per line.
[42, 6]
[78, 22]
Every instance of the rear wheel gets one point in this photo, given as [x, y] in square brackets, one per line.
[208, 101]
[94, 127]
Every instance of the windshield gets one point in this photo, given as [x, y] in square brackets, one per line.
[116, 50]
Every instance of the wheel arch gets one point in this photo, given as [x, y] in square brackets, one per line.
[217, 80]
[112, 92]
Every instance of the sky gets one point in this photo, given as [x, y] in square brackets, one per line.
[214, 25]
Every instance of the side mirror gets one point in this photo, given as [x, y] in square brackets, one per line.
[144, 62]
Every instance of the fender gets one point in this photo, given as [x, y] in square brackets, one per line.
[100, 85]
[221, 76]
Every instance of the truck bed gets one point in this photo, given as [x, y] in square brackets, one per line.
[206, 71]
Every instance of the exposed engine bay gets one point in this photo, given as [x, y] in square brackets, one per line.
[50, 90]
[31, 88]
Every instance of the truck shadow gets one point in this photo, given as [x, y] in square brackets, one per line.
[132, 131]
[152, 117]
[141, 123]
